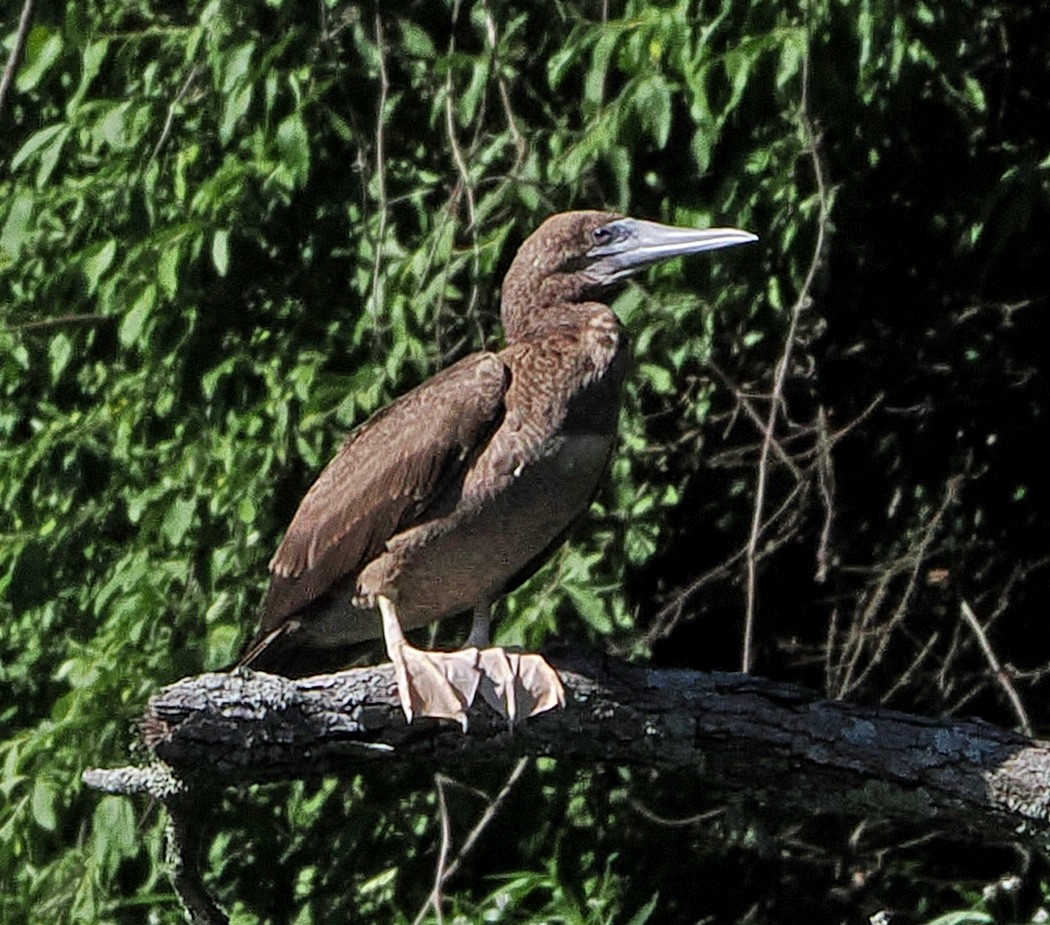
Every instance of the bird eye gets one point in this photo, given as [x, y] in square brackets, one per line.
[602, 235]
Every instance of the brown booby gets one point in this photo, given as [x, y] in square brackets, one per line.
[457, 491]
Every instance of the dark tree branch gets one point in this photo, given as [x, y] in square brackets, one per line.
[777, 743]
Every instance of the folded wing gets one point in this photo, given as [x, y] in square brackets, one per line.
[387, 474]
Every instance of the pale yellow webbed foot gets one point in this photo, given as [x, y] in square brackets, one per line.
[519, 685]
[439, 684]
[444, 684]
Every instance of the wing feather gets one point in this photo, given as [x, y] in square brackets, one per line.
[386, 474]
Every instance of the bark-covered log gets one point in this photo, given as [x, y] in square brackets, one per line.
[779, 744]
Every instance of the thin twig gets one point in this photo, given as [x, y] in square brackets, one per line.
[384, 89]
[910, 563]
[166, 131]
[826, 484]
[492, 36]
[435, 898]
[639, 807]
[444, 871]
[16, 51]
[668, 616]
[486, 818]
[457, 155]
[781, 371]
[753, 415]
[463, 188]
[468, 192]
[906, 676]
[997, 669]
[59, 320]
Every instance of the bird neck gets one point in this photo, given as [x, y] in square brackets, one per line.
[534, 320]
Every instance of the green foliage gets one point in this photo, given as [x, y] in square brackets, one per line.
[230, 232]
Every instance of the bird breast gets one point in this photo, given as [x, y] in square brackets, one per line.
[534, 478]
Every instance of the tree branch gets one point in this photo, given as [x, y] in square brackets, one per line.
[16, 51]
[779, 746]
[774, 742]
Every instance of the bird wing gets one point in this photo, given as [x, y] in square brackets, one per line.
[387, 472]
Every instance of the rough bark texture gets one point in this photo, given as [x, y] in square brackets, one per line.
[778, 744]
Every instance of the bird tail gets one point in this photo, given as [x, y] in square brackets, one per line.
[283, 651]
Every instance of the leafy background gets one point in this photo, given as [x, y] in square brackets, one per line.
[229, 232]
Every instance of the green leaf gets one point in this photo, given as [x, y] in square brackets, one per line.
[652, 102]
[168, 271]
[59, 351]
[220, 250]
[49, 157]
[791, 54]
[43, 49]
[237, 62]
[293, 143]
[561, 62]
[416, 41]
[113, 832]
[470, 99]
[113, 127]
[14, 236]
[974, 93]
[591, 607]
[10, 777]
[738, 63]
[379, 881]
[43, 804]
[178, 519]
[90, 64]
[660, 379]
[97, 259]
[52, 135]
[645, 913]
[963, 917]
[237, 104]
[223, 642]
[135, 320]
[594, 83]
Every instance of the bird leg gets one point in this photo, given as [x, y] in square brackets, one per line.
[440, 684]
[479, 629]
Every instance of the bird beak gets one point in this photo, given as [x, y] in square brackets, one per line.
[634, 244]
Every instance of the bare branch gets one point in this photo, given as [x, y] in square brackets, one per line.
[848, 673]
[376, 288]
[16, 51]
[434, 899]
[166, 131]
[783, 364]
[826, 483]
[486, 817]
[997, 669]
[744, 402]
[61, 320]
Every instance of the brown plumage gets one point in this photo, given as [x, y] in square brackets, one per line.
[451, 495]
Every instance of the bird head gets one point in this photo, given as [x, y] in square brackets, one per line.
[578, 257]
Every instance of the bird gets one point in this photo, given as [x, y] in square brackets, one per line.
[457, 491]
